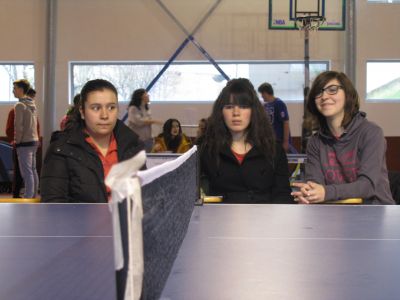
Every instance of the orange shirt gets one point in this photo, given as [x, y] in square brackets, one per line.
[109, 159]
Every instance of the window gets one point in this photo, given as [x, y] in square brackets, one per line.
[384, 1]
[9, 72]
[383, 81]
[195, 81]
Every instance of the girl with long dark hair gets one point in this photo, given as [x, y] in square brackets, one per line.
[172, 138]
[239, 155]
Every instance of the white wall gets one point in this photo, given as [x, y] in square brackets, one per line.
[22, 36]
[126, 30]
[378, 38]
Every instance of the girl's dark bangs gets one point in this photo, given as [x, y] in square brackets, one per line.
[240, 99]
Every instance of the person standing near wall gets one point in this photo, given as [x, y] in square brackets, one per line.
[139, 117]
[26, 136]
[279, 116]
[70, 111]
[17, 178]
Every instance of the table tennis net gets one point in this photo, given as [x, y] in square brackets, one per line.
[169, 192]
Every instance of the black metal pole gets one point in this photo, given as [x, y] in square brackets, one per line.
[306, 131]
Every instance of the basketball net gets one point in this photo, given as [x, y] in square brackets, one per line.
[309, 23]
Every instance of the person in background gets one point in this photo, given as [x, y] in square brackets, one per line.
[346, 158]
[139, 117]
[172, 139]
[17, 178]
[279, 116]
[70, 111]
[31, 93]
[80, 157]
[239, 155]
[201, 129]
[26, 136]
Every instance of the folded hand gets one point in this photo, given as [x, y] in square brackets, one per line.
[309, 192]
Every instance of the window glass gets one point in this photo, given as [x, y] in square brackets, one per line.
[383, 80]
[286, 78]
[9, 72]
[125, 77]
[384, 1]
[196, 81]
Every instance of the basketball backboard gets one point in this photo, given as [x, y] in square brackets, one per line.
[283, 13]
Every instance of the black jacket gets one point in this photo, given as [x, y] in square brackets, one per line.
[256, 180]
[72, 171]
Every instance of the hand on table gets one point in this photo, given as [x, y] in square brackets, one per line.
[157, 148]
[309, 192]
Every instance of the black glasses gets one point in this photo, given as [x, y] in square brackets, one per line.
[330, 90]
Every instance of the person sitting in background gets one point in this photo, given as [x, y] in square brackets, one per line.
[239, 155]
[70, 111]
[172, 139]
[139, 117]
[80, 157]
[346, 157]
[201, 129]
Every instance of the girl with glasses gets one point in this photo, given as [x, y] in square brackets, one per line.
[346, 158]
[239, 155]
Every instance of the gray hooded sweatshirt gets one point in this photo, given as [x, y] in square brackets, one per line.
[353, 166]
[25, 123]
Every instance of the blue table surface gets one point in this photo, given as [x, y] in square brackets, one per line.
[288, 252]
[65, 251]
[56, 251]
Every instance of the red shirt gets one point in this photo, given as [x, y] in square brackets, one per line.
[109, 159]
[239, 157]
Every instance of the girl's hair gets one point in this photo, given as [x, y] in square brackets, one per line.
[95, 85]
[31, 93]
[259, 133]
[172, 142]
[352, 101]
[24, 84]
[75, 106]
[136, 98]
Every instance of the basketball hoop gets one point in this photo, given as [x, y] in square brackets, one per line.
[309, 23]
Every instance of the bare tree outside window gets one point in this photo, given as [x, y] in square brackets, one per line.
[383, 81]
[195, 81]
[9, 72]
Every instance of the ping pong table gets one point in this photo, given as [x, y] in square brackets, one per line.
[65, 251]
[56, 251]
[288, 252]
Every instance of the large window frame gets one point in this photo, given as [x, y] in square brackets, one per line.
[375, 90]
[325, 64]
[14, 72]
